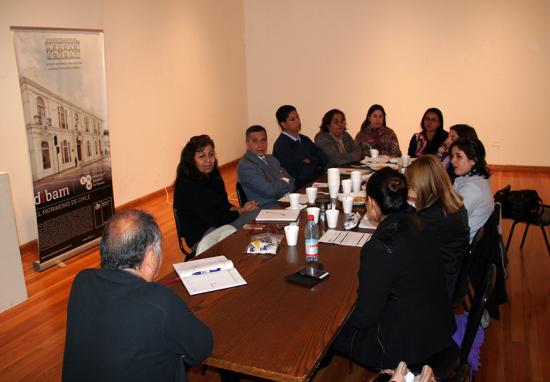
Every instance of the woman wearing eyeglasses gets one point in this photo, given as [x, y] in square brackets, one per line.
[431, 137]
[199, 193]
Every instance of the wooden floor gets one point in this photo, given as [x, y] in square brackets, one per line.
[32, 334]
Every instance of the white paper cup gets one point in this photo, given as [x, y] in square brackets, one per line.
[347, 203]
[346, 186]
[405, 160]
[291, 234]
[356, 178]
[294, 201]
[311, 194]
[333, 176]
[315, 212]
[333, 190]
[373, 153]
[332, 218]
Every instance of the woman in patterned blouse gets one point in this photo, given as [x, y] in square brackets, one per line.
[374, 134]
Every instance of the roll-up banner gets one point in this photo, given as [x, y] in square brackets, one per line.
[62, 80]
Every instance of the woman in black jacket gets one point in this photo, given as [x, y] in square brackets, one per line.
[402, 311]
[442, 211]
[199, 193]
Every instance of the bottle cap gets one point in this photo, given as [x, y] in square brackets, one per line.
[310, 217]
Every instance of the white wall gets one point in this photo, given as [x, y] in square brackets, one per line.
[174, 68]
[177, 68]
[485, 63]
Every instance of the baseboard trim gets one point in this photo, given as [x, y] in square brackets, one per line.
[33, 244]
[510, 167]
[29, 247]
[129, 205]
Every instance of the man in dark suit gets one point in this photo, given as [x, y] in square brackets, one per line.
[261, 175]
[296, 152]
[122, 326]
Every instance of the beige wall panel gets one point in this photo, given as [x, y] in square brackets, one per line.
[484, 63]
[174, 69]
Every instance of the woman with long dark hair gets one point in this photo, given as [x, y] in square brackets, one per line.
[199, 193]
[431, 136]
[375, 134]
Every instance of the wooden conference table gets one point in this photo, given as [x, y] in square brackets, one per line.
[269, 328]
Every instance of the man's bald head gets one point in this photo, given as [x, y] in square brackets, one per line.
[126, 238]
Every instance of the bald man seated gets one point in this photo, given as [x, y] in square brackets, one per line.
[121, 325]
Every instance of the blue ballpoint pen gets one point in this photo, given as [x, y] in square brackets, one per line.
[204, 272]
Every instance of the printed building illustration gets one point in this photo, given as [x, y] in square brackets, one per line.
[61, 135]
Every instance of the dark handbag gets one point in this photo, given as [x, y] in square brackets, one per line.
[521, 205]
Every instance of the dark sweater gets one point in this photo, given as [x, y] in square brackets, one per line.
[291, 155]
[402, 311]
[202, 204]
[451, 234]
[123, 328]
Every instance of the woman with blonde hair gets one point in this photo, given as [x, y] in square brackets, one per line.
[442, 211]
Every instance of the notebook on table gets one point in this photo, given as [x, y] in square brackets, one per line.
[209, 274]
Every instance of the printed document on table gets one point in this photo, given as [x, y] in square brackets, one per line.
[349, 238]
[278, 215]
[209, 274]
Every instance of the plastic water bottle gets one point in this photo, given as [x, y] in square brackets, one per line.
[311, 235]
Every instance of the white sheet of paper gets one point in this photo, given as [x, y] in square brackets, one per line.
[216, 273]
[213, 281]
[302, 206]
[278, 215]
[348, 238]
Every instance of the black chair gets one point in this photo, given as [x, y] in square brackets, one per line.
[476, 313]
[241, 195]
[462, 286]
[542, 221]
[460, 367]
[462, 373]
[502, 247]
[188, 253]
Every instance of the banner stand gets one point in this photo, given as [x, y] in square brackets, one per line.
[63, 92]
[40, 266]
